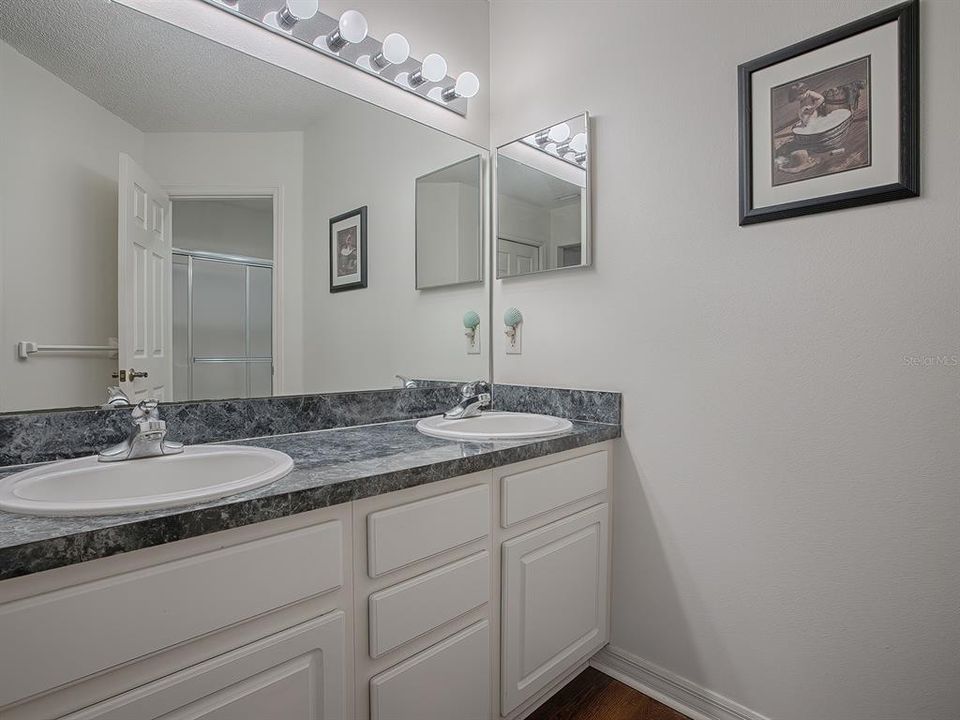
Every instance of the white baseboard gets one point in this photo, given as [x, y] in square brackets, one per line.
[669, 688]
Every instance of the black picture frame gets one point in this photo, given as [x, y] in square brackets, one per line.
[907, 17]
[361, 214]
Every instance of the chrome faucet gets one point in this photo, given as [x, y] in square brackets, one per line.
[474, 397]
[116, 397]
[147, 439]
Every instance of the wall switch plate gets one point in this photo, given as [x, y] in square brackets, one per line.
[473, 346]
[515, 340]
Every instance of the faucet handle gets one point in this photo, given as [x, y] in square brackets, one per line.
[146, 410]
[116, 397]
[477, 387]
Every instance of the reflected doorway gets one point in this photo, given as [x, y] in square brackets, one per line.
[223, 281]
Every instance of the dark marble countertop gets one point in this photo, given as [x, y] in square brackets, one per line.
[330, 467]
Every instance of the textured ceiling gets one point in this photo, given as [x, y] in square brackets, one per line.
[532, 185]
[158, 77]
[466, 172]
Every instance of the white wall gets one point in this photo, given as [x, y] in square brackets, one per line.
[359, 339]
[521, 220]
[566, 228]
[786, 494]
[470, 232]
[457, 30]
[224, 227]
[438, 233]
[249, 161]
[448, 233]
[58, 239]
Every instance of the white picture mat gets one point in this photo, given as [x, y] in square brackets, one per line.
[881, 44]
[352, 221]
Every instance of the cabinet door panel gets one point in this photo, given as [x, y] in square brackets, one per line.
[296, 674]
[448, 680]
[554, 609]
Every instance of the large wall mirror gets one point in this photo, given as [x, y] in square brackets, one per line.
[190, 222]
[543, 200]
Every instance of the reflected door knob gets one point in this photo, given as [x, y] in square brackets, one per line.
[133, 374]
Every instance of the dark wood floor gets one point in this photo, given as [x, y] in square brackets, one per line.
[591, 695]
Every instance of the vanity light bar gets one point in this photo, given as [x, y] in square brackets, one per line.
[346, 39]
[556, 142]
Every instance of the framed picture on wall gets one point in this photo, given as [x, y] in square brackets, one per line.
[832, 122]
[348, 250]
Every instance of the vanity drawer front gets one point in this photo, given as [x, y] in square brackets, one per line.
[403, 612]
[534, 492]
[448, 680]
[67, 634]
[296, 674]
[402, 535]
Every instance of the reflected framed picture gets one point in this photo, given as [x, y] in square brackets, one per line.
[832, 122]
[348, 250]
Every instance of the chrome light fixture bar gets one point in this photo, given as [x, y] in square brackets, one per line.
[346, 39]
[556, 142]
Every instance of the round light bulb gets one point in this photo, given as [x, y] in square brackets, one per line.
[579, 143]
[467, 85]
[353, 26]
[559, 133]
[396, 49]
[434, 67]
[303, 9]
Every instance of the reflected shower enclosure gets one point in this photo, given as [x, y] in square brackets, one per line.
[222, 298]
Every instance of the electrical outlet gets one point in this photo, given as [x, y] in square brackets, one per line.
[473, 346]
[515, 340]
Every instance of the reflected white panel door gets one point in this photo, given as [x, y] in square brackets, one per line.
[297, 674]
[517, 258]
[144, 311]
[554, 602]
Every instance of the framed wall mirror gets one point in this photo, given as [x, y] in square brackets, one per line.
[543, 200]
[450, 224]
[173, 238]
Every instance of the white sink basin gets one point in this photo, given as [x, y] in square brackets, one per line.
[89, 487]
[494, 426]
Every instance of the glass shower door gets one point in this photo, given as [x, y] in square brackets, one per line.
[229, 332]
[259, 331]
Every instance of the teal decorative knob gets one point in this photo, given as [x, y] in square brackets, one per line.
[512, 317]
[471, 320]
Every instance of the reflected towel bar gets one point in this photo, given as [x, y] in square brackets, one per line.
[26, 348]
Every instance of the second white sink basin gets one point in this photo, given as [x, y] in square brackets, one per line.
[494, 426]
[89, 487]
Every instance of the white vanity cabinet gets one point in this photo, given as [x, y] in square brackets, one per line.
[424, 583]
[204, 627]
[554, 602]
[297, 674]
[555, 569]
[471, 598]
